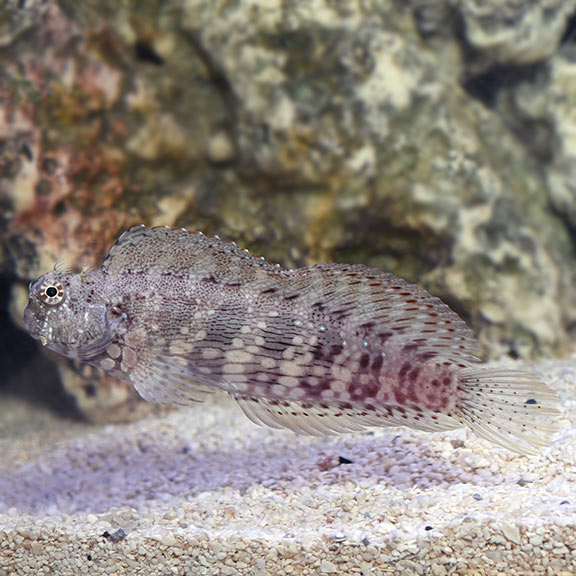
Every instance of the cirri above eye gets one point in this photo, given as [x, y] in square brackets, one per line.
[52, 293]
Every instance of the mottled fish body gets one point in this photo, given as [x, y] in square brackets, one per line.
[323, 349]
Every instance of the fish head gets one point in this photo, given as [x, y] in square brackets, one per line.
[67, 315]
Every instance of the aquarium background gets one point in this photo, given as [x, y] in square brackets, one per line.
[435, 139]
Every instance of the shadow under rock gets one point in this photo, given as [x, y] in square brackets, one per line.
[25, 372]
[87, 476]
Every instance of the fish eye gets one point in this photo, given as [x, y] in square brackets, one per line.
[52, 293]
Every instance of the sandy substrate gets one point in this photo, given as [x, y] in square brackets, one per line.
[204, 491]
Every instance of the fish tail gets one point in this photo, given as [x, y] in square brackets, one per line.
[512, 408]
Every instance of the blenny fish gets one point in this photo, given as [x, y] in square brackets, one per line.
[323, 349]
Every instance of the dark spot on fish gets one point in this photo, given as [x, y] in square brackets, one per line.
[364, 361]
[343, 313]
[335, 350]
[325, 384]
[413, 374]
[409, 348]
[377, 364]
[305, 384]
[371, 389]
[400, 397]
[404, 370]
[383, 300]
[291, 297]
[318, 353]
[412, 394]
[419, 415]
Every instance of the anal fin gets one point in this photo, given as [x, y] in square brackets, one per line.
[315, 419]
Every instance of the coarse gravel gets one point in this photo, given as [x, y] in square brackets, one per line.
[202, 490]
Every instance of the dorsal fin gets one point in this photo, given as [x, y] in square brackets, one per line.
[391, 306]
[176, 251]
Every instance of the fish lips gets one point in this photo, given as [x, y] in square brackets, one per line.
[35, 326]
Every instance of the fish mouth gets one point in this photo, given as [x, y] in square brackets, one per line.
[38, 335]
[35, 327]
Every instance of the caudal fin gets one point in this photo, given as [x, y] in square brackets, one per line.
[511, 408]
